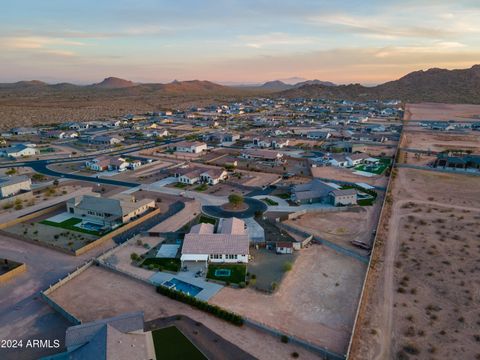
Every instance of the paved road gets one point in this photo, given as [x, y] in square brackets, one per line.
[253, 206]
[90, 156]
[203, 198]
[41, 167]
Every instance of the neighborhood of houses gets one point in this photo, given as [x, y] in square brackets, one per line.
[210, 200]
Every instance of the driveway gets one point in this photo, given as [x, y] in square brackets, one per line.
[279, 201]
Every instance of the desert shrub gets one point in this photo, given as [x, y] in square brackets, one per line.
[287, 266]
[411, 349]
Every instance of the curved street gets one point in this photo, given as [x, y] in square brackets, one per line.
[254, 206]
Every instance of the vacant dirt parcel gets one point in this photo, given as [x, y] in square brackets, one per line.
[88, 296]
[424, 300]
[436, 141]
[435, 111]
[341, 227]
[316, 301]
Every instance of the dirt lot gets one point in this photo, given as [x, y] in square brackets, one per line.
[380, 150]
[415, 158]
[331, 172]
[421, 306]
[341, 227]
[51, 235]
[434, 111]
[23, 315]
[439, 141]
[130, 295]
[267, 266]
[317, 300]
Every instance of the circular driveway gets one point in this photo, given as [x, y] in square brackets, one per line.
[254, 205]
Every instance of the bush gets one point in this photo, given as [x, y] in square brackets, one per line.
[274, 286]
[287, 266]
[284, 339]
[295, 355]
[242, 284]
[134, 256]
[202, 305]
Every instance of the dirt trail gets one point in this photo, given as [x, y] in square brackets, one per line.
[385, 334]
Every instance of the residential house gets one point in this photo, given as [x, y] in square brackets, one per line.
[213, 176]
[193, 147]
[121, 337]
[317, 191]
[338, 160]
[357, 159]
[61, 134]
[24, 131]
[14, 185]
[98, 164]
[78, 126]
[106, 140]
[229, 245]
[263, 155]
[19, 150]
[457, 161]
[284, 247]
[192, 176]
[318, 135]
[108, 212]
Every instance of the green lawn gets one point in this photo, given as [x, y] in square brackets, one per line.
[270, 202]
[171, 344]
[379, 169]
[376, 169]
[237, 272]
[284, 196]
[202, 187]
[180, 185]
[366, 202]
[169, 264]
[207, 220]
[70, 225]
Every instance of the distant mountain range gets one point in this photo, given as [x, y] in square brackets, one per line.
[117, 86]
[279, 85]
[434, 85]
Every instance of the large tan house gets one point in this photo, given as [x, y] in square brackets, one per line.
[109, 212]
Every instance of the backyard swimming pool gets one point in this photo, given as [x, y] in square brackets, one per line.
[182, 286]
[223, 272]
[91, 226]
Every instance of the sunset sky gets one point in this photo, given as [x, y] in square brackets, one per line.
[243, 41]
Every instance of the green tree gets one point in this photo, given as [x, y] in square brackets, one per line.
[235, 199]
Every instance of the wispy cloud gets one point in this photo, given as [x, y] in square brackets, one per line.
[379, 27]
[273, 39]
[408, 22]
[35, 42]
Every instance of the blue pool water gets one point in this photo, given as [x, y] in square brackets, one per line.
[182, 286]
[90, 226]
